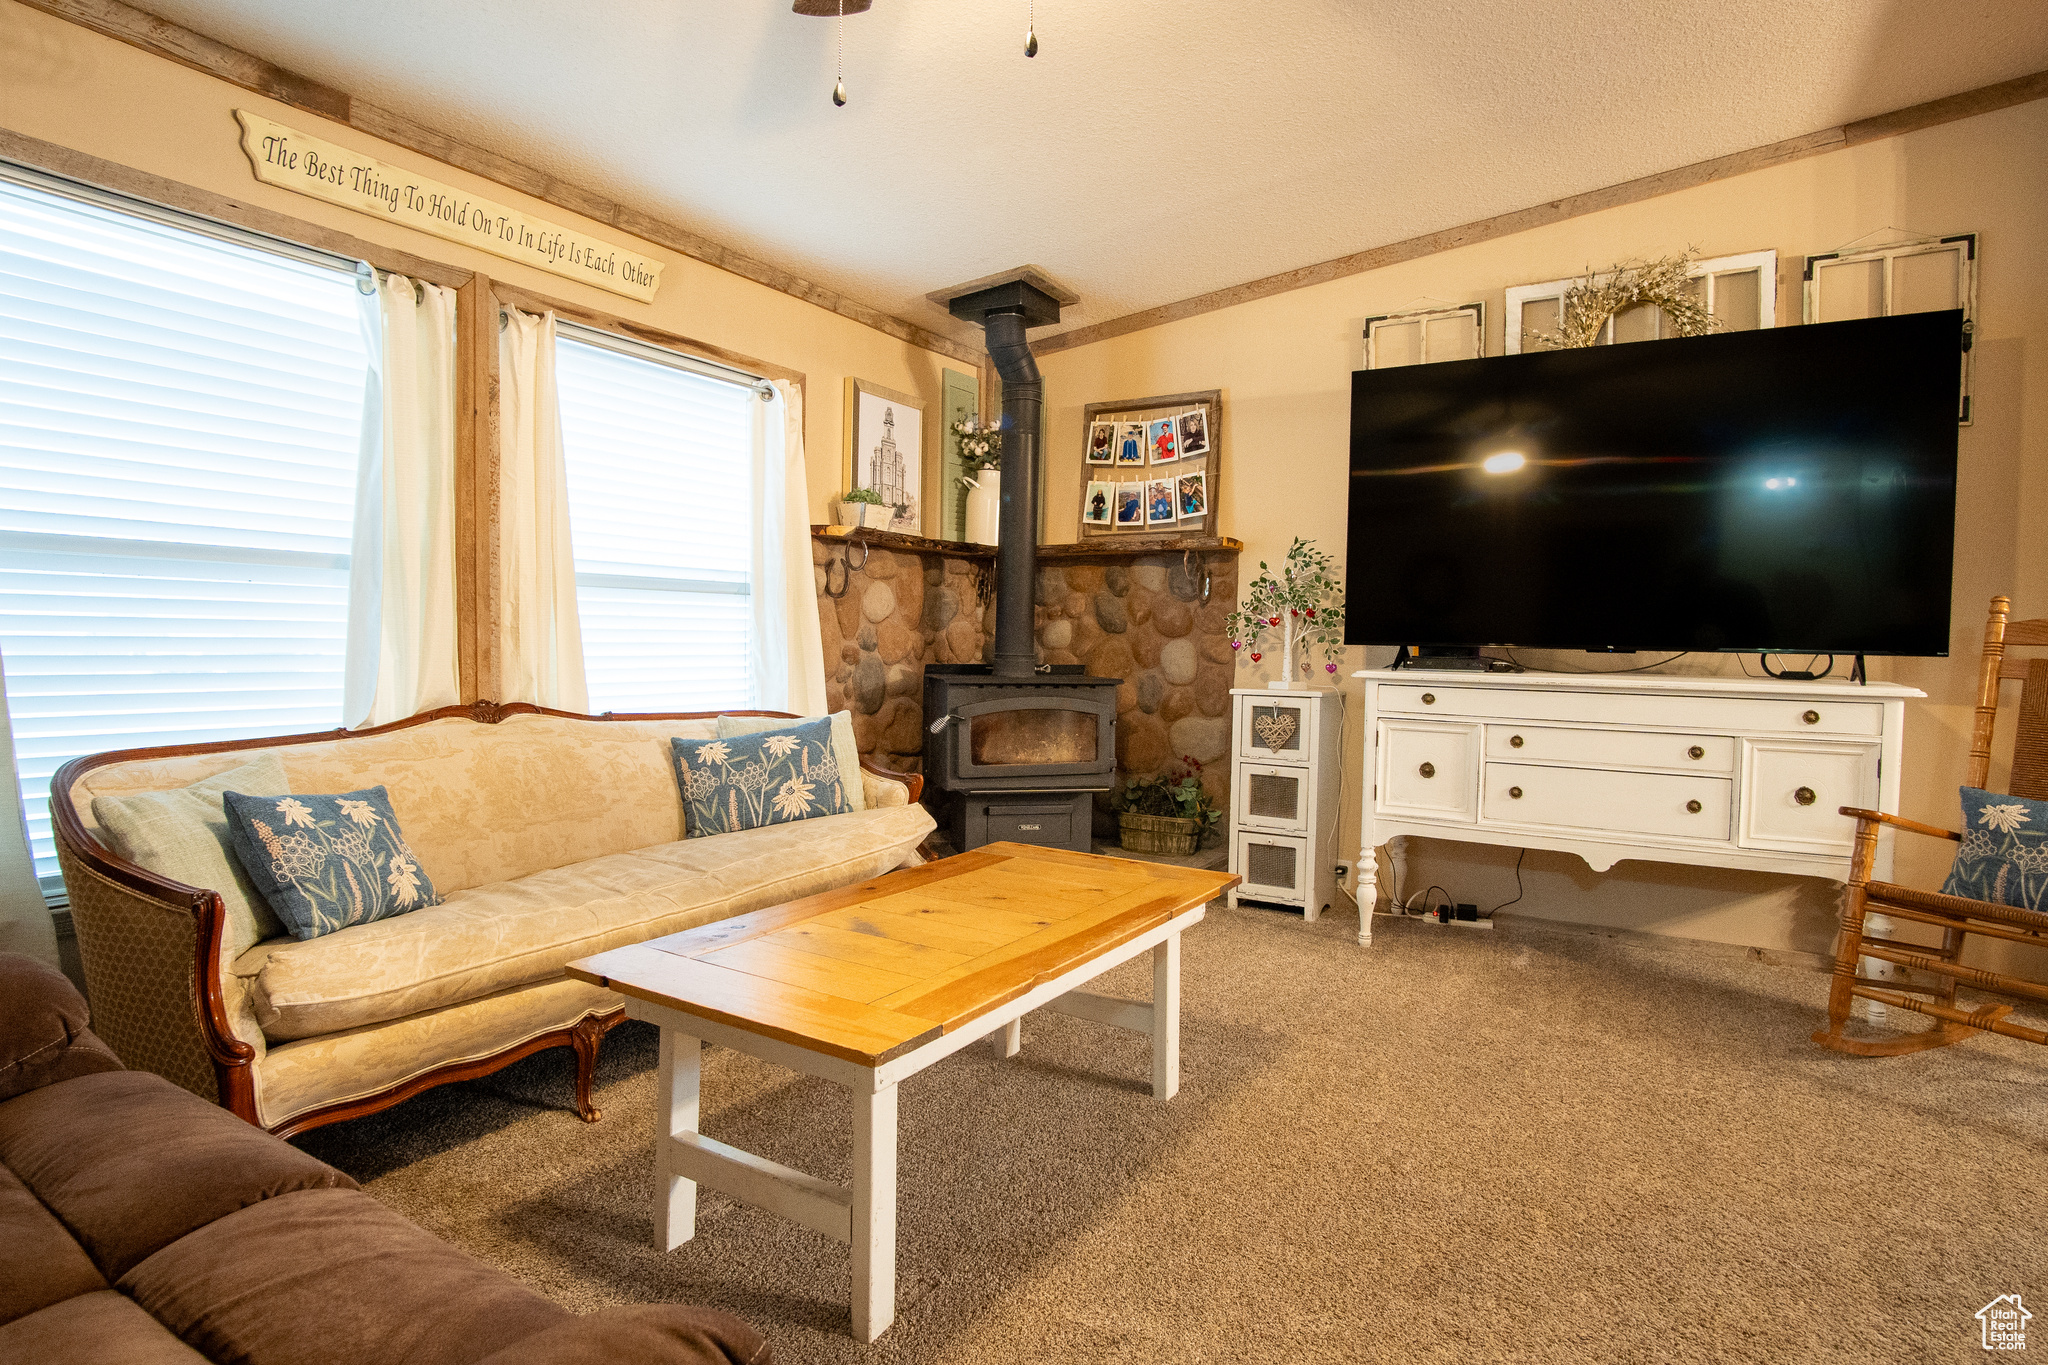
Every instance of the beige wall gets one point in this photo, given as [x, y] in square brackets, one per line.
[1284, 366]
[63, 84]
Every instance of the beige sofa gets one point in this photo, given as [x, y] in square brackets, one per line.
[551, 836]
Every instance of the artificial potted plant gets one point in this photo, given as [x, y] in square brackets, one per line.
[1168, 812]
[1304, 601]
[863, 507]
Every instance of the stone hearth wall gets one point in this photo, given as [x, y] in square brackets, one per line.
[1138, 618]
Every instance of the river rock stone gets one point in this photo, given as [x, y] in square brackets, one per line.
[1151, 691]
[900, 731]
[897, 642]
[1142, 745]
[870, 686]
[1206, 738]
[1171, 616]
[1076, 604]
[1149, 573]
[1111, 659]
[1179, 702]
[1211, 693]
[941, 605]
[1084, 578]
[1110, 614]
[1185, 580]
[1052, 587]
[964, 641]
[903, 680]
[1116, 579]
[878, 602]
[1056, 634]
[868, 639]
[1145, 648]
[881, 564]
[1177, 661]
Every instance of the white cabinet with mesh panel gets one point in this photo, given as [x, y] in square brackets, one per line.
[1283, 792]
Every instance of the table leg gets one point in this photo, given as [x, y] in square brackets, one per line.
[1166, 1018]
[874, 1212]
[1368, 892]
[675, 1111]
[1009, 1038]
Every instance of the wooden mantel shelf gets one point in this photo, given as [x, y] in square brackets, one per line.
[1102, 547]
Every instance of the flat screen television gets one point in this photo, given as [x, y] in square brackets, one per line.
[1790, 489]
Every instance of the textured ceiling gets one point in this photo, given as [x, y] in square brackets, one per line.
[1153, 150]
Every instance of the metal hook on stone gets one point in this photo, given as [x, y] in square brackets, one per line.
[845, 577]
[866, 552]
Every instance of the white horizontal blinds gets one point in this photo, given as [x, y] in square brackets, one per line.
[179, 421]
[661, 492]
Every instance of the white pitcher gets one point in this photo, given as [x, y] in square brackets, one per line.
[984, 505]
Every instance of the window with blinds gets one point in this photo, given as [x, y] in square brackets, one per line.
[661, 513]
[179, 423]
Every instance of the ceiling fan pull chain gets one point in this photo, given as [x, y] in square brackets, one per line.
[839, 73]
[1030, 28]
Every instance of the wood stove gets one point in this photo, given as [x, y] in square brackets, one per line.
[1017, 758]
[1016, 749]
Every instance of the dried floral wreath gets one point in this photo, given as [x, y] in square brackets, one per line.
[1668, 283]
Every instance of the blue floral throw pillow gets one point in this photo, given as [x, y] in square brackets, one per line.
[326, 862]
[2004, 857]
[766, 778]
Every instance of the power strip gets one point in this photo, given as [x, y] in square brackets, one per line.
[1453, 923]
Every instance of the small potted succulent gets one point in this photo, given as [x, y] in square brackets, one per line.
[1167, 813]
[863, 507]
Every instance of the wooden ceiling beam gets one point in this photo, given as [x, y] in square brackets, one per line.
[163, 38]
[1970, 103]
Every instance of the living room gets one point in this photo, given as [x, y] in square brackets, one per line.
[839, 342]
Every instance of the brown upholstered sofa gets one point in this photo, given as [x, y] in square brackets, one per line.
[142, 1225]
[551, 835]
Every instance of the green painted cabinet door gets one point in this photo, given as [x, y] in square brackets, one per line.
[962, 403]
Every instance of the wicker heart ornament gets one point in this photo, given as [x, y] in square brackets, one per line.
[1274, 730]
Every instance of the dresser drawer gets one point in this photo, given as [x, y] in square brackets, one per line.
[1794, 794]
[1605, 803]
[1270, 796]
[1789, 715]
[1430, 771]
[1276, 729]
[1274, 867]
[1611, 748]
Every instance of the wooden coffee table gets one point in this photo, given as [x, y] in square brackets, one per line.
[871, 984]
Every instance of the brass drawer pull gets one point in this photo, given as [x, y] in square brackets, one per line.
[1515, 792]
[1429, 699]
[1805, 796]
[1427, 770]
[1514, 741]
[1695, 752]
[1694, 807]
[1811, 718]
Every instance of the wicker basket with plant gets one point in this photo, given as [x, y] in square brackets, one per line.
[1167, 813]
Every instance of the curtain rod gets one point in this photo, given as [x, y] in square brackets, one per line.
[661, 355]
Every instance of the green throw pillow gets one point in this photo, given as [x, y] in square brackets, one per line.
[183, 835]
[843, 747]
[328, 862]
[760, 779]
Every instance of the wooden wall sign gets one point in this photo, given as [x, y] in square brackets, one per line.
[311, 166]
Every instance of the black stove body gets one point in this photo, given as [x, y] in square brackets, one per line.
[1017, 758]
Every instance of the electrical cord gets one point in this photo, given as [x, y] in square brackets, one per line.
[1764, 662]
[1602, 672]
[1518, 886]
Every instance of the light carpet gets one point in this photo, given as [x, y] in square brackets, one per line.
[1526, 1145]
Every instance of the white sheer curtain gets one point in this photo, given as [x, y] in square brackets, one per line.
[788, 663]
[401, 595]
[539, 634]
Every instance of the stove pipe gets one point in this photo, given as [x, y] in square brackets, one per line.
[1016, 652]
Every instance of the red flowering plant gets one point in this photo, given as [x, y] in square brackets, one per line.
[1304, 602]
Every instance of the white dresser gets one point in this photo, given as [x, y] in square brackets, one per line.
[1285, 769]
[1721, 772]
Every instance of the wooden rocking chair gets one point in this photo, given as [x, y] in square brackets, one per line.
[1955, 916]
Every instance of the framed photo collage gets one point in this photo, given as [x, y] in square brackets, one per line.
[1151, 464]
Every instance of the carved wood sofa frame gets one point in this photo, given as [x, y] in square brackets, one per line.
[1955, 916]
[185, 940]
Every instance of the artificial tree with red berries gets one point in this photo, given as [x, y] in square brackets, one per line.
[1304, 602]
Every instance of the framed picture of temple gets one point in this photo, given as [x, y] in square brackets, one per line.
[885, 451]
